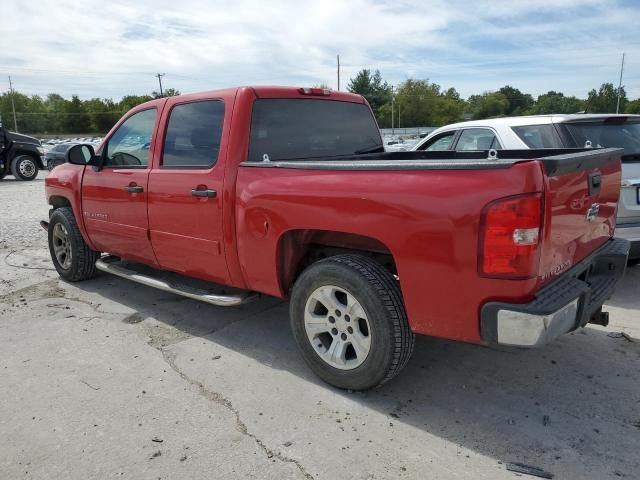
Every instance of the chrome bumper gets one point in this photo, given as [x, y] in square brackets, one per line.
[560, 307]
[530, 330]
[629, 232]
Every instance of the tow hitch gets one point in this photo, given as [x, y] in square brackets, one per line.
[600, 318]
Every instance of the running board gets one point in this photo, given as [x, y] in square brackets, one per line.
[115, 266]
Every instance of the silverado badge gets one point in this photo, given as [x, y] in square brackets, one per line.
[593, 211]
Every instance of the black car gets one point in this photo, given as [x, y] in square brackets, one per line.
[20, 155]
[56, 156]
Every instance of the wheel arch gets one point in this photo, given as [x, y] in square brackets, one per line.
[58, 201]
[30, 153]
[61, 201]
[299, 248]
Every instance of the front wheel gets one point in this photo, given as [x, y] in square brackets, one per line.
[73, 258]
[349, 321]
[24, 167]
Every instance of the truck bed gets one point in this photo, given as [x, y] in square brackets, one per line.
[427, 214]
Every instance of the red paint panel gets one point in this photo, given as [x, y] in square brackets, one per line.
[116, 220]
[569, 237]
[65, 182]
[428, 220]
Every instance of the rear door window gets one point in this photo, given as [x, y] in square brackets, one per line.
[193, 135]
[539, 136]
[295, 129]
[477, 139]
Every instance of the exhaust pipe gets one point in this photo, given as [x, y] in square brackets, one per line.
[44, 225]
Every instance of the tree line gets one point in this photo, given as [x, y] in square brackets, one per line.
[413, 103]
[417, 103]
[54, 114]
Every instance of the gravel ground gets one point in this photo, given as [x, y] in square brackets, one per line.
[107, 378]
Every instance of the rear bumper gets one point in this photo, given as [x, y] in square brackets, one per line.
[631, 232]
[569, 302]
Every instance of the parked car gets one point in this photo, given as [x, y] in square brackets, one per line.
[288, 192]
[20, 155]
[559, 131]
[57, 155]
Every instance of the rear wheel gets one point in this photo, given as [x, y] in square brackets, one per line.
[349, 321]
[73, 258]
[24, 167]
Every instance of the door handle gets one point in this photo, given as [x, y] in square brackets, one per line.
[203, 193]
[133, 189]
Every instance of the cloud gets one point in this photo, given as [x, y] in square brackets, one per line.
[94, 48]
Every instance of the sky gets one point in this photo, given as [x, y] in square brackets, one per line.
[108, 49]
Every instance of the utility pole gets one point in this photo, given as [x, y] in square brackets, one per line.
[620, 84]
[160, 75]
[13, 106]
[393, 101]
[338, 72]
[399, 117]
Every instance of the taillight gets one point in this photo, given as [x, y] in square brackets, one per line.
[510, 237]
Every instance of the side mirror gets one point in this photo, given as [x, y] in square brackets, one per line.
[82, 154]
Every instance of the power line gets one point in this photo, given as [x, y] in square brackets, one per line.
[119, 112]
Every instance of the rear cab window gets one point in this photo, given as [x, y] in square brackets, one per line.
[539, 136]
[296, 129]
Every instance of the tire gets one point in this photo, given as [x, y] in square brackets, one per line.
[71, 256]
[49, 164]
[358, 285]
[24, 167]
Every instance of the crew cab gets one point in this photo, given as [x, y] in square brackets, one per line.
[558, 131]
[287, 192]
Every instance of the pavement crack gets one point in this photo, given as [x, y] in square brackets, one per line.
[215, 397]
[24, 267]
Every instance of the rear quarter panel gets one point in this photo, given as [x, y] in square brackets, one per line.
[428, 219]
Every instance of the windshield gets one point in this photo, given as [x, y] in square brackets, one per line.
[288, 129]
[610, 133]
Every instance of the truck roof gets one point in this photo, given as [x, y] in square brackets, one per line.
[266, 91]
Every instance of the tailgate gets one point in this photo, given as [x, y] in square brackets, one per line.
[581, 195]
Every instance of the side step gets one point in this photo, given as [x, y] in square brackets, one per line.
[166, 281]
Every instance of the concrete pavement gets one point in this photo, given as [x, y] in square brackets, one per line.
[110, 379]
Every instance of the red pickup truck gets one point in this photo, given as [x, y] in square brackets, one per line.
[225, 195]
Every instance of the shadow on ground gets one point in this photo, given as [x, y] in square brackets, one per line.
[574, 401]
